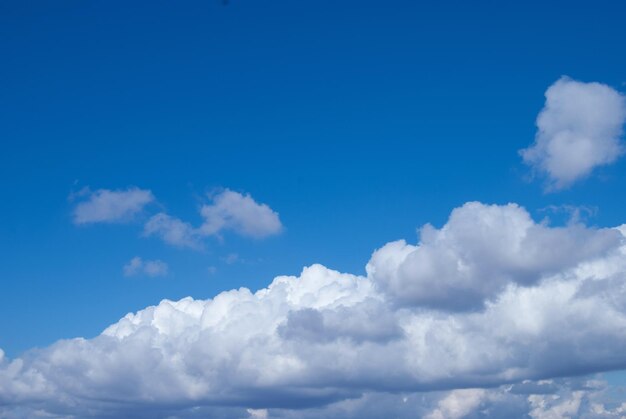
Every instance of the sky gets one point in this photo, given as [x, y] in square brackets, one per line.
[313, 209]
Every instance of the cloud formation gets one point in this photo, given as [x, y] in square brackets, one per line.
[138, 266]
[579, 129]
[111, 206]
[327, 342]
[233, 211]
[481, 250]
[173, 231]
[458, 404]
[229, 211]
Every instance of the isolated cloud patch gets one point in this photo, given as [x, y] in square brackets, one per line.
[173, 231]
[139, 266]
[233, 211]
[579, 129]
[229, 211]
[111, 206]
[326, 339]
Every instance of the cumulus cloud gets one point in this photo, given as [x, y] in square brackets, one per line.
[233, 211]
[326, 342]
[481, 250]
[111, 206]
[579, 129]
[137, 266]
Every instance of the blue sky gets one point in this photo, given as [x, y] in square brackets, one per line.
[355, 122]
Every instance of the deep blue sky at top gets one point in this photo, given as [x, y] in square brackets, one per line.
[358, 121]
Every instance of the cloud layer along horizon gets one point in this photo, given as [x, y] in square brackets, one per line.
[578, 130]
[483, 313]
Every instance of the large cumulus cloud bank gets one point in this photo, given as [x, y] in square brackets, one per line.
[492, 298]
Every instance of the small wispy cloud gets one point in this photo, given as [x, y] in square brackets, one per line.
[173, 231]
[240, 213]
[231, 258]
[579, 129]
[229, 210]
[111, 206]
[138, 266]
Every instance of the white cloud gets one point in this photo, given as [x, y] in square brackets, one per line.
[108, 206]
[481, 250]
[458, 404]
[258, 413]
[173, 231]
[330, 339]
[558, 409]
[543, 399]
[229, 211]
[233, 211]
[582, 397]
[579, 129]
[138, 266]
[599, 410]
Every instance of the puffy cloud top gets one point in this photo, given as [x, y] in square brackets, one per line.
[545, 302]
[579, 129]
[480, 250]
[108, 206]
